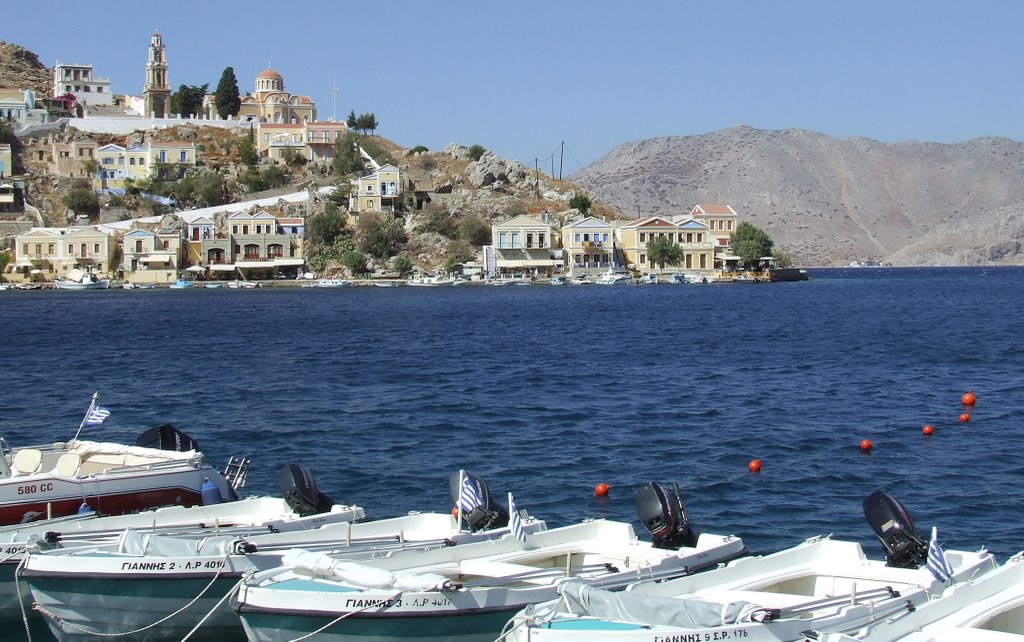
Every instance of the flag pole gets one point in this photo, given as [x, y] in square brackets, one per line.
[458, 500]
[88, 412]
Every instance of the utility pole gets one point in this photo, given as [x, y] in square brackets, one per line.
[334, 107]
[536, 169]
[561, 157]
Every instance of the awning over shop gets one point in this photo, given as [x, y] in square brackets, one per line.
[283, 262]
[222, 267]
[157, 259]
[254, 264]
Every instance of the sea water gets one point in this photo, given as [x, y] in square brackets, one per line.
[546, 391]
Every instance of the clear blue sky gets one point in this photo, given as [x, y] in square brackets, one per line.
[521, 77]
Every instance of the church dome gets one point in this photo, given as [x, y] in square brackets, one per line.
[269, 74]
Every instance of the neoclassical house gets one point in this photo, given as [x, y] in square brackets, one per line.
[270, 103]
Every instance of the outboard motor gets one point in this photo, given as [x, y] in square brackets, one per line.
[664, 516]
[894, 528]
[485, 516]
[166, 437]
[300, 491]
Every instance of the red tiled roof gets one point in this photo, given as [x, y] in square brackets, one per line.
[650, 221]
[714, 208]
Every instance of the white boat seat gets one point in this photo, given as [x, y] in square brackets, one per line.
[26, 461]
[67, 465]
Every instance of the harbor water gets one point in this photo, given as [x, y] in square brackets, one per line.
[546, 391]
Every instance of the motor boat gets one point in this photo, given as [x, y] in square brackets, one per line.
[79, 280]
[822, 586]
[466, 592]
[612, 277]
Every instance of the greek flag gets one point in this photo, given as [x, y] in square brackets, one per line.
[515, 520]
[469, 495]
[937, 562]
[96, 416]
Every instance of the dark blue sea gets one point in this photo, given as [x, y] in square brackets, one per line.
[547, 391]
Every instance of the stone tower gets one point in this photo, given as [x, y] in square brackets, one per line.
[156, 94]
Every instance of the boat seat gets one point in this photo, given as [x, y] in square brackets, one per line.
[67, 465]
[26, 461]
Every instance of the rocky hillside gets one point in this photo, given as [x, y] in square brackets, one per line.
[21, 69]
[828, 201]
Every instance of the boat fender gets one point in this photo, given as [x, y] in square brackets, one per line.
[210, 493]
[84, 509]
[242, 547]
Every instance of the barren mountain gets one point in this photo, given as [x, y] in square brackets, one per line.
[827, 201]
[21, 69]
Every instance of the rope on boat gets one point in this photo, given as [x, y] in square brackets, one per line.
[339, 619]
[21, 601]
[64, 624]
[245, 575]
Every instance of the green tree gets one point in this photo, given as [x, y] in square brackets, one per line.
[352, 122]
[325, 228]
[247, 150]
[339, 194]
[476, 151]
[402, 264]
[475, 231]
[419, 149]
[662, 251]
[200, 189]
[582, 203]
[5, 260]
[188, 99]
[81, 200]
[750, 243]
[366, 122]
[226, 98]
[355, 261]
[346, 156]
[90, 166]
[380, 236]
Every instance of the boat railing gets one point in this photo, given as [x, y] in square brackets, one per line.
[87, 468]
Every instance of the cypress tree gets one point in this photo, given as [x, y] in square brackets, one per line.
[226, 98]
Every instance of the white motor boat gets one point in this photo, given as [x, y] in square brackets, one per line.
[164, 468]
[612, 277]
[430, 281]
[822, 586]
[80, 280]
[333, 283]
[177, 581]
[465, 592]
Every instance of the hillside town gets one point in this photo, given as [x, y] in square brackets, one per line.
[122, 150]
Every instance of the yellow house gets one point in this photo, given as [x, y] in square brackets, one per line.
[116, 163]
[320, 137]
[692, 236]
[197, 231]
[377, 192]
[588, 244]
[524, 245]
[55, 250]
[261, 246]
[720, 219]
[174, 158]
[68, 159]
[279, 141]
[151, 257]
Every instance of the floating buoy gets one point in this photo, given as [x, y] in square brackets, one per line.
[754, 466]
[601, 489]
[865, 444]
[968, 399]
[964, 417]
[927, 430]
[455, 512]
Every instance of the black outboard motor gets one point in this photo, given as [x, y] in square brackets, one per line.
[166, 437]
[300, 491]
[487, 515]
[664, 516]
[894, 528]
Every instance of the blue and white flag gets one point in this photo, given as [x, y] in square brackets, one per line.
[515, 520]
[469, 495]
[937, 562]
[96, 416]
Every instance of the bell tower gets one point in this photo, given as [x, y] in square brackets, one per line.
[156, 94]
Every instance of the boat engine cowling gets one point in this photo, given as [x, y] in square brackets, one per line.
[166, 437]
[894, 528]
[664, 516]
[300, 492]
[489, 514]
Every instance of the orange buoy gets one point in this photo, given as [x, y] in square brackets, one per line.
[754, 466]
[865, 444]
[927, 430]
[968, 399]
[964, 417]
[455, 512]
[601, 489]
